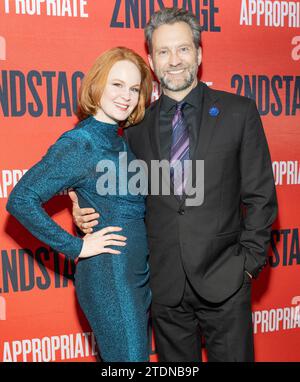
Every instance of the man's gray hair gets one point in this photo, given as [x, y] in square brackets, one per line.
[171, 16]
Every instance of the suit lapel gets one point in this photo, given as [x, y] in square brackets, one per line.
[208, 123]
[154, 134]
[153, 127]
[207, 127]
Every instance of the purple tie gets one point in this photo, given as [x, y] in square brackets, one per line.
[179, 149]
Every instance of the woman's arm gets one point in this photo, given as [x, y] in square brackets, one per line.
[63, 166]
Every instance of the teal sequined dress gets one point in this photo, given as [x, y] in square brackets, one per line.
[112, 290]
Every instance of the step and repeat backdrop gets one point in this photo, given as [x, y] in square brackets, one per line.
[250, 47]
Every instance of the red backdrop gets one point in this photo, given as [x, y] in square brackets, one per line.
[249, 47]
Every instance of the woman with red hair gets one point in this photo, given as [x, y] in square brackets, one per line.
[112, 274]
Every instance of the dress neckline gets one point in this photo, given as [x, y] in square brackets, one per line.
[109, 129]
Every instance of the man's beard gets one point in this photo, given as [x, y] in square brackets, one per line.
[184, 84]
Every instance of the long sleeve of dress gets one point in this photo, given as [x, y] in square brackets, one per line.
[63, 166]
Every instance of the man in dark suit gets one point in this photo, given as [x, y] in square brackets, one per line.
[203, 257]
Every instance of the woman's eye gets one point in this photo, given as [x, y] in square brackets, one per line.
[136, 90]
[117, 84]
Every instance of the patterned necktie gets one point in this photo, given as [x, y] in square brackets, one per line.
[179, 150]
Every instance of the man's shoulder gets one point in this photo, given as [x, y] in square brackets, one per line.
[230, 98]
[150, 112]
[152, 108]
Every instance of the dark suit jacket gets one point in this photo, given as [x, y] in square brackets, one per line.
[212, 244]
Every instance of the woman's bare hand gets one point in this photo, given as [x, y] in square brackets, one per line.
[100, 242]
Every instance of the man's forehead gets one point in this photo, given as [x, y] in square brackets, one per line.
[178, 27]
[172, 34]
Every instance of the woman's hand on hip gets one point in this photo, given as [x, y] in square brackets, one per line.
[99, 242]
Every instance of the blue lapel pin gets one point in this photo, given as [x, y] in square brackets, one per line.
[214, 111]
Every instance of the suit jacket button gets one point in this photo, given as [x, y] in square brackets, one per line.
[181, 211]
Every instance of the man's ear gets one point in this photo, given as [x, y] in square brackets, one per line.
[150, 62]
[199, 56]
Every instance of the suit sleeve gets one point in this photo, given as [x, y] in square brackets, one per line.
[62, 167]
[258, 194]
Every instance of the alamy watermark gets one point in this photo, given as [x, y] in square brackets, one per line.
[162, 178]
